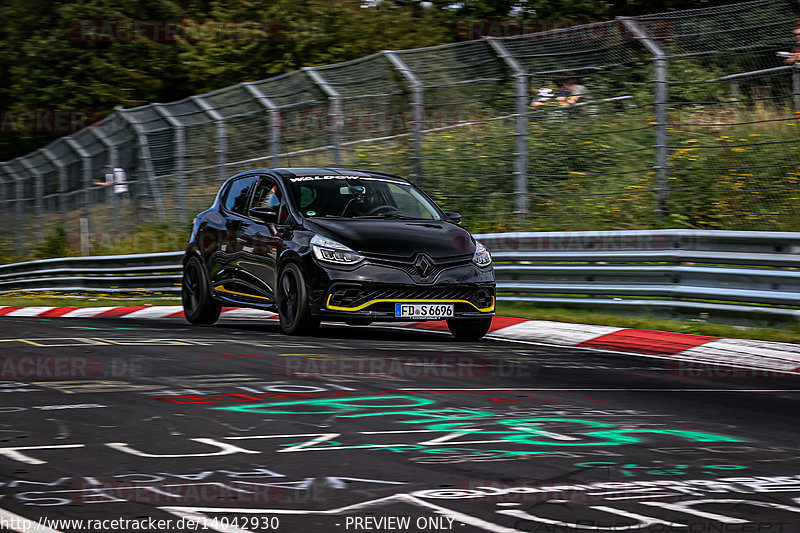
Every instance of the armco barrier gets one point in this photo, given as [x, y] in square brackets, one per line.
[681, 271]
[114, 273]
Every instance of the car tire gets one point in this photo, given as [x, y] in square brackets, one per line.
[199, 306]
[469, 329]
[294, 314]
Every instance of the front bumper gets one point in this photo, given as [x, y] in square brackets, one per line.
[371, 291]
[377, 302]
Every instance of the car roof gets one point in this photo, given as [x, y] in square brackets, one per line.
[291, 172]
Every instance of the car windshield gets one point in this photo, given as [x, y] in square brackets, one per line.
[356, 197]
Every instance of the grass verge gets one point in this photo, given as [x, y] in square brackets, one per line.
[791, 334]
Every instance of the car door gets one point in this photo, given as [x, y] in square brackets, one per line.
[233, 205]
[261, 242]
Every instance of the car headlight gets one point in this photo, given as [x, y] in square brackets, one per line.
[481, 257]
[333, 252]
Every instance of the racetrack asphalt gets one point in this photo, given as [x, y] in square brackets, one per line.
[380, 429]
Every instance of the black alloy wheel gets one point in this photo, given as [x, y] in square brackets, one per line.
[292, 298]
[199, 307]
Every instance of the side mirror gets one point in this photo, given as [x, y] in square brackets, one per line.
[265, 214]
[453, 217]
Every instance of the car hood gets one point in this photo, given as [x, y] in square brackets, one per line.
[399, 238]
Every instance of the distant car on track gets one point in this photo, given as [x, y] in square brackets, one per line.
[329, 244]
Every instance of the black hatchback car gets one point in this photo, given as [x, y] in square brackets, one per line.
[344, 245]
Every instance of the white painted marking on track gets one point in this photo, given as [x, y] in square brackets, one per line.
[188, 515]
[9, 519]
[457, 516]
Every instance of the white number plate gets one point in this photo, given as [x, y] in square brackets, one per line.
[423, 311]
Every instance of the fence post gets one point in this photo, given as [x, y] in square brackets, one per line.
[19, 190]
[86, 166]
[38, 206]
[222, 136]
[13, 178]
[735, 93]
[417, 110]
[334, 112]
[521, 123]
[660, 101]
[146, 160]
[62, 185]
[5, 192]
[274, 121]
[796, 87]
[179, 142]
[111, 197]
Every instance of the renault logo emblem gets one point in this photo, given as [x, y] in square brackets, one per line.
[424, 265]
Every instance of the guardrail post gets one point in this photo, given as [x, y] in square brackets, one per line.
[274, 121]
[62, 185]
[179, 142]
[222, 136]
[38, 206]
[146, 160]
[111, 197]
[86, 166]
[334, 112]
[417, 110]
[521, 152]
[660, 101]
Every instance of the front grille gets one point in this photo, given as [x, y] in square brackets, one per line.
[429, 275]
[354, 296]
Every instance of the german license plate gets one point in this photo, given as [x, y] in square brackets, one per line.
[423, 311]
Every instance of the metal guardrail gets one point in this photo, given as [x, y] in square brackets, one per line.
[114, 273]
[742, 273]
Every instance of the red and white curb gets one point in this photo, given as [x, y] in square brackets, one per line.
[772, 356]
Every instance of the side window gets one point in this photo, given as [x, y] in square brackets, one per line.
[268, 195]
[238, 195]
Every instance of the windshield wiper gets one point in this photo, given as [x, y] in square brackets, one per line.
[389, 215]
[395, 215]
